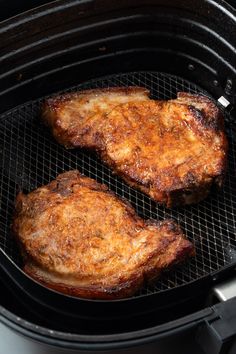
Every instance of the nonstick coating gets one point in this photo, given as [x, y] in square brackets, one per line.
[30, 158]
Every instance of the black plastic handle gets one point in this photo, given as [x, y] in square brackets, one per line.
[217, 335]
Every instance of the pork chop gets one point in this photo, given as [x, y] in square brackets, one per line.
[80, 239]
[173, 151]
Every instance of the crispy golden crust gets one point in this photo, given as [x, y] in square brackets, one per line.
[174, 150]
[80, 239]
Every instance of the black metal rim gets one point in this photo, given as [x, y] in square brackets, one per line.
[102, 342]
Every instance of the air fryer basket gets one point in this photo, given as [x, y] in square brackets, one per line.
[163, 45]
[30, 158]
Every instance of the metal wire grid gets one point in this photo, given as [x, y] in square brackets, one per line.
[30, 157]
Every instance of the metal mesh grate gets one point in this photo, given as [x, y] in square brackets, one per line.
[30, 158]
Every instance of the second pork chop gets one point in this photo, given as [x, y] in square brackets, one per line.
[173, 151]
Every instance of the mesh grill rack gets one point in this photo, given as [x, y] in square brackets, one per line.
[30, 158]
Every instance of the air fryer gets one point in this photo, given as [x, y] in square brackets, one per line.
[166, 46]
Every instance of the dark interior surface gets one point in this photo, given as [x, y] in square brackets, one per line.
[12, 8]
[73, 41]
[165, 45]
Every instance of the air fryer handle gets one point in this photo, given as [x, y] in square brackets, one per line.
[217, 335]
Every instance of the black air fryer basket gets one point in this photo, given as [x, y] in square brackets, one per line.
[167, 47]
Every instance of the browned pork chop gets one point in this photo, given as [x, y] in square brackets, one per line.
[80, 239]
[173, 151]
